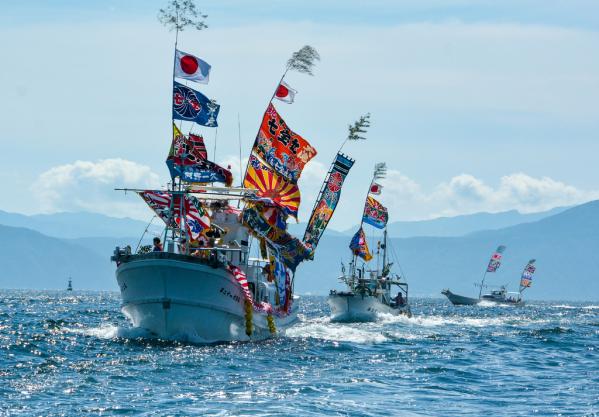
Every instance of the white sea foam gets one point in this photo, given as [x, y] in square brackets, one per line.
[110, 331]
[432, 321]
[320, 329]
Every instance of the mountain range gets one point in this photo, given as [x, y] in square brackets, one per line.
[563, 241]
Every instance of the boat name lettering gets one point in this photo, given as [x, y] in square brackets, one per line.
[229, 294]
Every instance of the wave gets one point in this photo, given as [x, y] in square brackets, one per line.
[325, 330]
[433, 321]
[110, 331]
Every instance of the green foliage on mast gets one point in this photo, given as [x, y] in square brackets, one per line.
[359, 127]
[180, 14]
[303, 60]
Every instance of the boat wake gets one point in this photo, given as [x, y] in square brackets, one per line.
[434, 321]
[324, 329]
[110, 331]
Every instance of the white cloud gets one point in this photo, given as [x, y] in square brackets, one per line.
[89, 186]
[464, 194]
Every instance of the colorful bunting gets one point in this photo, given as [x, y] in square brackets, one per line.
[272, 188]
[187, 160]
[193, 106]
[359, 246]
[292, 250]
[285, 151]
[196, 216]
[375, 214]
[327, 200]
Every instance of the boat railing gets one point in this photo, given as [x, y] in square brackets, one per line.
[215, 256]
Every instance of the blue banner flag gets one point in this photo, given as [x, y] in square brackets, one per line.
[191, 105]
[202, 172]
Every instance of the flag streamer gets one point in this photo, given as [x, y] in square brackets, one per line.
[327, 200]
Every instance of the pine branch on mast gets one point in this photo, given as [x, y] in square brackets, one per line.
[179, 14]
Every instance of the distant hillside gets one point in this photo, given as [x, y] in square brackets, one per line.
[75, 225]
[30, 259]
[565, 246]
[463, 225]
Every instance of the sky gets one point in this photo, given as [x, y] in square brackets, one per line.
[476, 105]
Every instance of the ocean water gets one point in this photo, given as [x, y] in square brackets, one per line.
[75, 354]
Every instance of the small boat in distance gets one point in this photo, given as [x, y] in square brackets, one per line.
[369, 292]
[501, 295]
[70, 286]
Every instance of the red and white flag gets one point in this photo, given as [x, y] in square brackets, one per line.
[376, 188]
[191, 68]
[285, 93]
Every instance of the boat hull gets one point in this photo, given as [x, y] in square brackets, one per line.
[349, 307]
[181, 300]
[460, 300]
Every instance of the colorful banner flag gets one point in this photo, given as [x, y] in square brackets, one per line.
[285, 93]
[187, 160]
[272, 188]
[187, 149]
[327, 200]
[196, 216]
[375, 214]
[281, 276]
[193, 106]
[285, 151]
[191, 68]
[527, 274]
[359, 246]
[495, 261]
[292, 250]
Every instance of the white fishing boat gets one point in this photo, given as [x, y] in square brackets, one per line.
[370, 292]
[202, 284]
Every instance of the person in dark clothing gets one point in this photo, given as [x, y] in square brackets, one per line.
[157, 245]
[399, 300]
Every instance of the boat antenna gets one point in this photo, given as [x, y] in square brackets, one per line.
[144, 233]
[215, 140]
[239, 139]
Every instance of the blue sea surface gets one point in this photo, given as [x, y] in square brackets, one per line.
[75, 354]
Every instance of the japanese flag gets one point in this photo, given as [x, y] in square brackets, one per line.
[285, 93]
[191, 68]
[376, 188]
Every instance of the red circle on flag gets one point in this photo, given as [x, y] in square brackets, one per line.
[282, 91]
[189, 64]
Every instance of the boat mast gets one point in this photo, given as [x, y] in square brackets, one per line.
[385, 249]
[480, 291]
